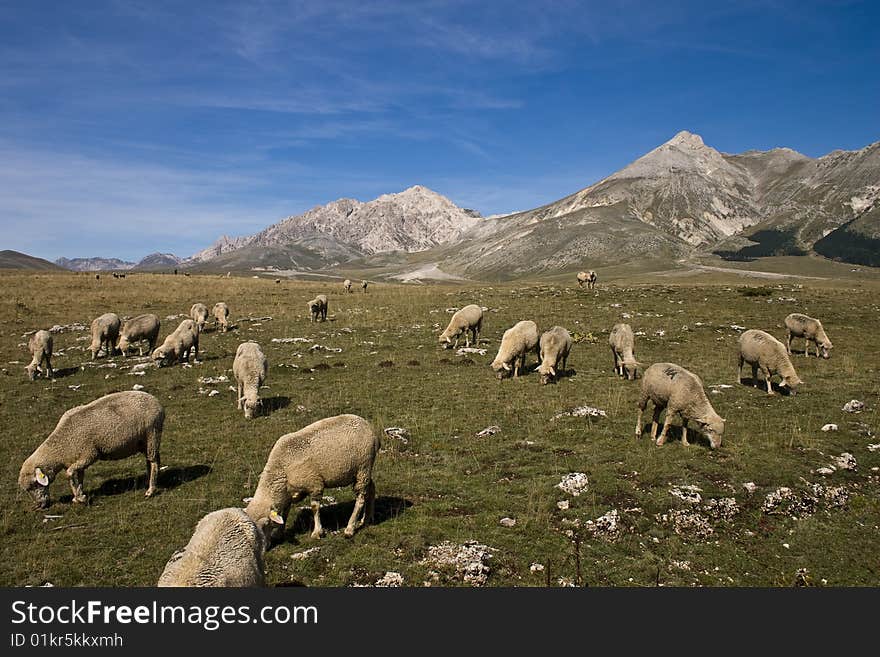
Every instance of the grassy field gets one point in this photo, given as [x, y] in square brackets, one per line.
[444, 483]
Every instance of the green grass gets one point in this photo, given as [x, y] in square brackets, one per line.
[445, 484]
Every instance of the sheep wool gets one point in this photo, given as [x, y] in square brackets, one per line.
[143, 327]
[40, 346]
[761, 350]
[554, 348]
[105, 332]
[811, 330]
[221, 316]
[622, 341]
[467, 320]
[199, 314]
[516, 343]
[250, 368]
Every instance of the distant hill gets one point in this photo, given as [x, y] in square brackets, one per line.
[94, 264]
[157, 261]
[15, 260]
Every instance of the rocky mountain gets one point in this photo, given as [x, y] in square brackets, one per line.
[156, 261]
[94, 264]
[413, 220]
[17, 260]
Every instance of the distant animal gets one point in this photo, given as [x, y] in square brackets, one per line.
[467, 320]
[761, 350]
[364, 286]
[588, 277]
[811, 330]
[110, 428]
[97, 277]
[40, 346]
[277, 280]
[318, 308]
[221, 316]
[198, 312]
[516, 343]
[681, 393]
[346, 285]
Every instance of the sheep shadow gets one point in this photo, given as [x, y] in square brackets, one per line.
[62, 373]
[272, 404]
[761, 385]
[335, 517]
[167, 480]
[673, 435]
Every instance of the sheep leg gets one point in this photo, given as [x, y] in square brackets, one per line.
[152, 476]
[666, 422]
[739, 370]
[239, 395]
[639, 420]
[467, 338]
[316, 512]
[755, 375]
[789, 343]
[684, 432]
[75, 474]
[353, 520]
[616, 365]
[370, 510]
[49, 372]
[767, 376]
[655, 421]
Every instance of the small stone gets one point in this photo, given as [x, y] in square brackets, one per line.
[137, 386]
[562, 505]
[829, 427]
[536, 567]
[508, 522]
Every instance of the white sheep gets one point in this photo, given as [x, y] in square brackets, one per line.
[467, 320]
[622, 341]
[177, 346]
[318, 308]
[346, 285]
[40, 346]
[143, 327]
[250, 368]
[112, 427]
[199, 314]
[516, 343]
[554, 347]
[811, 330]
[330, 453]
[226, 549]
[105, 332]
[588, 277]
[681, 393]
[221, 316]
[364, 286]
[760, 349]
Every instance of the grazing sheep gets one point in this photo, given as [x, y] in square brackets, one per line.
[811, 330]
[760, 349]
[588, 277]
[468, 320]
[40, 346]
[110, 428]
[622, 343]
[364, 286]
[221, 316]
[318, 308]
[199, 314]
[554, 347]
[681, 393]
[142, 327]
[330, 453]
[346, 285]
[177, 346]
[226, 549]
[516, 343]
[105, 332]
[250, 368]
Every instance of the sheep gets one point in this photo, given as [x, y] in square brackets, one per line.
[516, 343]
[110, 428]
[346, 285]
[364, 286]
[250, 368]
[40, 346]
[199, 314]
[143, 327]
[226, 549]
[318, 308]
[554, 347]
[330, 453]
[760, 349]
[105, 332]
[622, 343]
[221, 316]
[177, 346]
[468, 320]
[588, 277]
[681, 393]
[811, 330]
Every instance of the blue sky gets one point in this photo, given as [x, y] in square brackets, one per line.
[133, 127]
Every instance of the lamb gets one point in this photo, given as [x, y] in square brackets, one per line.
[811, 330]
[40, 346]
[588, 277]
[142, 327]
[468, 320]
[346, 285]
[226, 549]
[760, 349]
[516, 343]
[622, 343]
[105, 332]
[110, 428]
[318, 308]
[554, 347]
[330, 453]
[681, 393]
[364, 286]
[177, 346]
[250, 368]
[199, 314]
[221, 316]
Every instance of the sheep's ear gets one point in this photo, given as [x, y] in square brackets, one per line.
[505, 366]
[275, 517]
[40, 477]
[553, 371]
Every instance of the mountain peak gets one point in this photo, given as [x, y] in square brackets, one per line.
[685, 138]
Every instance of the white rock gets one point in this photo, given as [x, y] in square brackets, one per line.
[574, 483]
[508, 522]
[829, 427]
[137, 386]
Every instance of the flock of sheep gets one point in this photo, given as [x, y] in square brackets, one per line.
[228, 545]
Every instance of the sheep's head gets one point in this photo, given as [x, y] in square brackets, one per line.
[250, 405]
[445, 339]
[631, 369]
[548, 374]
[792, 382]
[123, 344]
[31, 371]
[35, 481]
[825, 349]
[160, 356]
[714, 429]
[500, 368]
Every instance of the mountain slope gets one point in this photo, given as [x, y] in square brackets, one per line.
[16, 260]
[93, 264]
